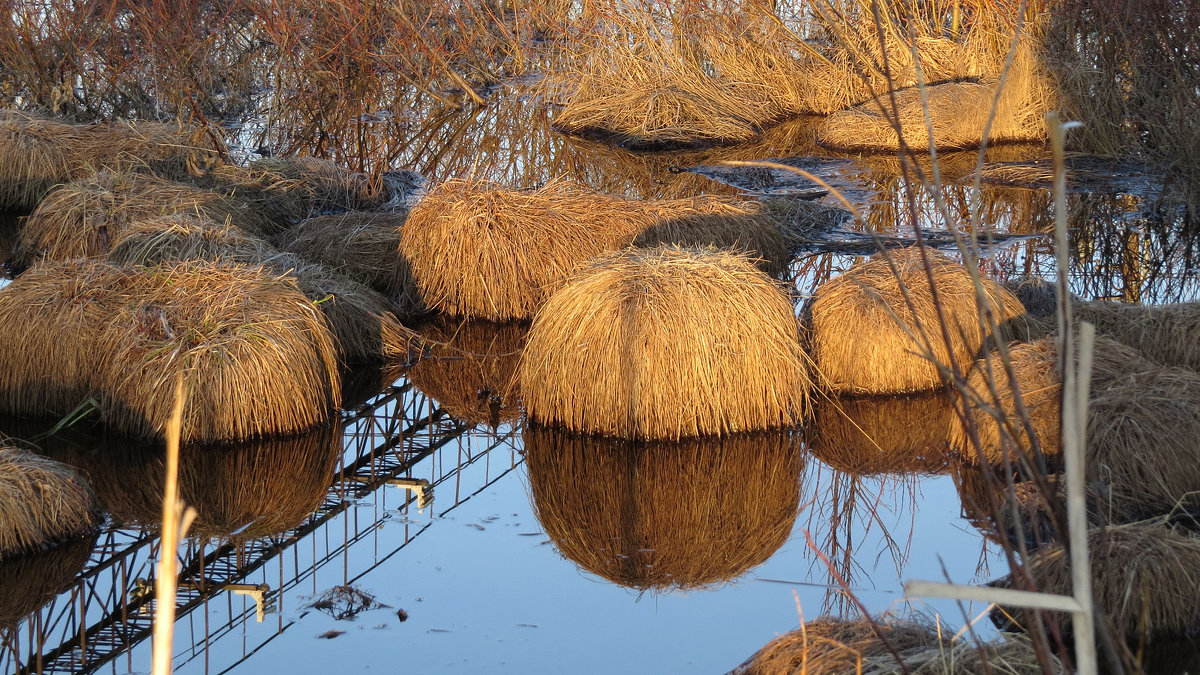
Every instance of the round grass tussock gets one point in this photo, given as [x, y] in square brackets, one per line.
[865, 338]
[327, 184]
[829, 646]
[993, 409]
[881, 434]
[666, 343]
[256, 356]
[241, 491]
[29, 581]
[471, 368]
[663, 515]
[42, 502]
[186, 236]
[35, 156]
[86, 218]
[1164, 334]
[1143, 580]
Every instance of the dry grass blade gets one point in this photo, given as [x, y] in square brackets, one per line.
[42, 502]
[664, 344]
[257, 357]
[865, 338]
[657, 515]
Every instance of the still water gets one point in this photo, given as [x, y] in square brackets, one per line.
[484, 545]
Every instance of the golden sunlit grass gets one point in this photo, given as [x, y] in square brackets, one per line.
[666, 343]
[87, 218]
[478, 249]
[829, 646]
[1143, 578]
[884, 351]
[256, 355]
[665, 515]
[42, 502]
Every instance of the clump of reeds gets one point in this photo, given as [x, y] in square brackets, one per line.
[1143, 580]
[666, 343]
[256, 355]
[328, 184]
[881, 434]
[42, 502]
[947, 116]
[829, 646]
[240, 491]
[470, 368]
[878, 328]
[86, 218]
[31, 580]
[362, 245]
[1162, 333]
[37, 154]
[1143, 434]
[478, 249]
[665, 515]
[991, 397]
[186, 236]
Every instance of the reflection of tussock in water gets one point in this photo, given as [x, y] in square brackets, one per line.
[881, 434]
[829, 646]
[471, 368]
[683, 515]
[29, 581]
[243, 491]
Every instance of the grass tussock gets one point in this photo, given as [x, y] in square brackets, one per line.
[362, 245]
[471, 368]
[1162, 333]
[658, 515]
[666, 343]
[86, 218]
[991, 397]
[37, 153]
[242, 491]
[256, 355]
[481, 250]
[866, 338]
[42, 502]
[362, 320]
[881, 434]
[27, 582]
[1143, 580]
[829, 646]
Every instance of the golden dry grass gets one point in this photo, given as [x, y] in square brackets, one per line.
[882, 434]
[42, 502]
[86, 218]
[993, 408]
[38, 153]
[866, 339]
[1143, 437]
[1162, 333]
[829, 646]
[478, 249]
[327, 184]
[256, 355]
[362, 245]
[29, 581]
[666, 343]
[1143, 579]
[240, 491]
[665, 515]
[955, 112]
[471, 368]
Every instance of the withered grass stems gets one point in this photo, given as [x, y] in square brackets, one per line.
[662, 516]
[478, 249]
[256, 354]
[884, 353]
[666, 343]
[42, 502]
